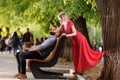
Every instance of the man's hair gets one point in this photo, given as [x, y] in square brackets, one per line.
[53, 33]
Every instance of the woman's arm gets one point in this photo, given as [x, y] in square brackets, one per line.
[73, 32]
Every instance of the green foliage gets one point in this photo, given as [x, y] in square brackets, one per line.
[38, 14]
[95, 34]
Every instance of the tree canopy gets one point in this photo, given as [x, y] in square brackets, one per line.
[38, 14]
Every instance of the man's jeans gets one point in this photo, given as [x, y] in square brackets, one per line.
[21, 59]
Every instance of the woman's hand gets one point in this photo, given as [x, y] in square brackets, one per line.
[64, 34]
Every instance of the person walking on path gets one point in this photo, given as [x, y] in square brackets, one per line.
[28, 37]
[15, 42]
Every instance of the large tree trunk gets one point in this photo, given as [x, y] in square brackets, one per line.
[66, 52]
[80, 25]
[110, 18]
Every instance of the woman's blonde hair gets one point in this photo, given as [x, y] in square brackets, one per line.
[63, 15]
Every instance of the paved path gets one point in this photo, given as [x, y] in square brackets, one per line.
[8, 67]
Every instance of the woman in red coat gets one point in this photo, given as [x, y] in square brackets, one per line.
[83, 56]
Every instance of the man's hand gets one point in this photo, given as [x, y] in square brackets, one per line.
[25, 48]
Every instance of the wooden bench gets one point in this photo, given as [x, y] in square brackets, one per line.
[51, 60]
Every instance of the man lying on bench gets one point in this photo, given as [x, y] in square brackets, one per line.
[39, 52]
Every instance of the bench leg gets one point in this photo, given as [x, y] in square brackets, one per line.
[40, 74]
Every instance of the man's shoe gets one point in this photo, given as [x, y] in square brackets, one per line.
[22, 76]
[17, 75]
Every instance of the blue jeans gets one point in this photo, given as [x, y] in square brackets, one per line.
[15, 49]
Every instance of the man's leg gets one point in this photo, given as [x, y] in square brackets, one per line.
[27, 55]
[18, 61]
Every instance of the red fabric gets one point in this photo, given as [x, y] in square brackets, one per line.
[84, 57]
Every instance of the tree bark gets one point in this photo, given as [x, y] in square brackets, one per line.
[110, 18]
[66, 52]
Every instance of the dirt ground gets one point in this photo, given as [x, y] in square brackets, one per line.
[91, 74]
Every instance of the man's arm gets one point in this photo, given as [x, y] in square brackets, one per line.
[36, 48]
[46, 44]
